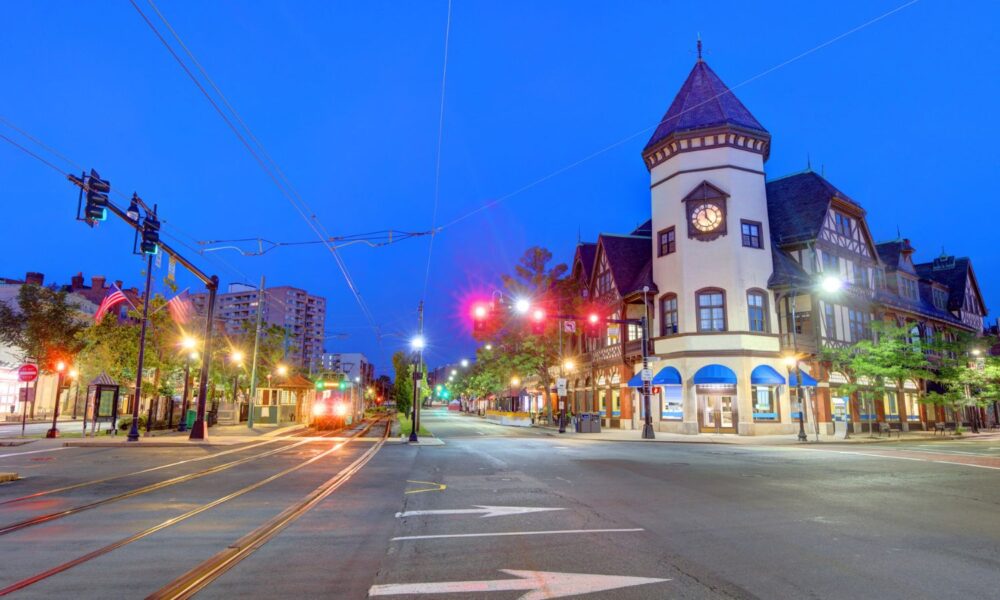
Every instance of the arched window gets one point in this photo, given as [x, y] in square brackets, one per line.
[669, 323]
[915, 336]
[711, 303]
[757, 310]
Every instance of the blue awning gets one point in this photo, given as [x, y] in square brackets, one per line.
[715, 374]
[667, 376]
[807, 379]
[766, 375]
[636, 381]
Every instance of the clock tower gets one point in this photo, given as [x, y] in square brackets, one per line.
[711, 247]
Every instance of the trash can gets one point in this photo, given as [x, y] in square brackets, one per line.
[583, 423]
[595, 422]
[192, 414]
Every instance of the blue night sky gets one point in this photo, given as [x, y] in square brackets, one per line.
[345, 97]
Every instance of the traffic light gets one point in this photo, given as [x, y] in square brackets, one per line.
[150, 235]
[320, 385]
[97, 197]
[479, 314]
[593, 323]
[538, 321]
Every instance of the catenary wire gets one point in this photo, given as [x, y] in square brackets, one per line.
[645, 130]
[437, 162]
[312, 222]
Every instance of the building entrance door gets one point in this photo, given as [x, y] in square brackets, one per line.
[718, 413]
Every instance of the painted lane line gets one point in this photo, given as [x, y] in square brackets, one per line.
[33, 452]
[438, 487]
[538, 584]
[511, 533]
[485, 511]
[943, 462]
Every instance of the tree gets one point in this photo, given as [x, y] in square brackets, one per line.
[881, 364]
[963, 380]
[44, 327]
[403, 384]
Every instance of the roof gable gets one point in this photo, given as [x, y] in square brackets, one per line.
[626, 256]
[797, 206]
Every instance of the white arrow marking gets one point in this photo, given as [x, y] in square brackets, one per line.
[486, 511]
[540, 585]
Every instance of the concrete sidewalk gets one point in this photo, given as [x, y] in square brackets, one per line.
[635, 435]
[219, 435]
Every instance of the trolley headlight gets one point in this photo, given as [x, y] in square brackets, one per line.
[318, 409]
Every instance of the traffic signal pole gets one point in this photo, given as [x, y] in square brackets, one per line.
[198, 431]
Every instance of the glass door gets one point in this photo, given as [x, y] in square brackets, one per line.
[726, 412]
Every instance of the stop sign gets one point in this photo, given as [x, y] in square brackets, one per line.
[27, 373]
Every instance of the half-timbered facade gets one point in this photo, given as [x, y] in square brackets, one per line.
[732, 270]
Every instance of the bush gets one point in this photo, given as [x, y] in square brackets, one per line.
[125, 423]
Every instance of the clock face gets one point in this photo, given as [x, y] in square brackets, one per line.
[706, 217]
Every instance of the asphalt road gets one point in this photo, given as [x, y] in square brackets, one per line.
[897, 520]
[13, 430]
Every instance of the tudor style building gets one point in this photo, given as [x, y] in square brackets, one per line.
[731, 272]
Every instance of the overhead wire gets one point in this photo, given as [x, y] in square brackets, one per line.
[645, 130]
[437, 162]
[279, 180]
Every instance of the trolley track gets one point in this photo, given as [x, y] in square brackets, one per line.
[342, 475]
[84, 484]
[48, 517]
[202, 575]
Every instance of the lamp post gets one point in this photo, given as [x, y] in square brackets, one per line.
[829, 284]
[60, 369]
[236, 358]
[417, 344]
[75, 376]
[191, 357]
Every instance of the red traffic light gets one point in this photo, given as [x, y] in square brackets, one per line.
[593, 319]
[480, 311]
[538, 315]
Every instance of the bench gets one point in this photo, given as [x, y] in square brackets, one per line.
[887, 429]
[940, 428]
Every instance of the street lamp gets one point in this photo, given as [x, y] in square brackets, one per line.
[568, 366]
[464, 363]
[792, 362]
[60, 369]
[488, 347]
[282, 370]
[417, 345]
[236, 358]
[514, 381]
[522, 306]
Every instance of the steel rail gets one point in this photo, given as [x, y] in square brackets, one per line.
[17, 526]
[202, 575]
[82, 484]
[28, 581]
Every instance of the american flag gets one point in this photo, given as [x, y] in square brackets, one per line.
[181, 308]
[114, 298]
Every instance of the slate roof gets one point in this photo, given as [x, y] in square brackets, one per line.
[587, 251]
[644, 229]
[797, 205]
[922, 306]
[644, 278]
[703, 101]
[952, 273]
[888, 252]
[627, 256]
[786, 272]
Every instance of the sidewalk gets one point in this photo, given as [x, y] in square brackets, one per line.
[219, 435]
[635, 435]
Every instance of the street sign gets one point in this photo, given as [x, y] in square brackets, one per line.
[561, 386]
[538, 584]
[27, 373]
[647, 374]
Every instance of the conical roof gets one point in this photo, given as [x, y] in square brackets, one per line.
[703, 101]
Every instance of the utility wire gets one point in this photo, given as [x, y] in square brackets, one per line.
[645, 130]
[286, 189]
[437, 163]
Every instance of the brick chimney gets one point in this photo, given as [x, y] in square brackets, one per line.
[34, 278]
[118, 283]
[97, 282]
[76, 282]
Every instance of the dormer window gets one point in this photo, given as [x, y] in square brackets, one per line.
[908, 288]
[843, 224]
[940, 298]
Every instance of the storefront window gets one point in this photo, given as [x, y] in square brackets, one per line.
[866, 400]
[672, 407]
[841, 406]
[765, 403]
[616, 404]
[889, 404]
[602, 407]
[912, 406]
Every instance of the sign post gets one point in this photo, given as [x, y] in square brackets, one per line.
[26, 374]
